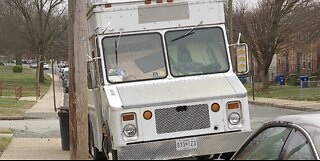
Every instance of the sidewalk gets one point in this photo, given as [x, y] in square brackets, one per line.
[44, 108]
[22, 148]
[289, 104]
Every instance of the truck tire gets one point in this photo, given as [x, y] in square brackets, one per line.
[109, 152]
[95, 154]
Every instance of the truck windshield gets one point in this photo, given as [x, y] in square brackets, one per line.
[199, 52]
[134, 57]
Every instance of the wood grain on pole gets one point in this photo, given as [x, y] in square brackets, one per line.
[78, 101]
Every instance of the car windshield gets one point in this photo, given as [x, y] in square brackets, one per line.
[134, 57]
[197, 51]
[267, 145]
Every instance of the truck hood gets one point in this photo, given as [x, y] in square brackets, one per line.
[180, 91]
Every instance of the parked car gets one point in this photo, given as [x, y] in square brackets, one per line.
[293, 137]
[33, 65]
[63, 72]
[66, 81]
[46, 66]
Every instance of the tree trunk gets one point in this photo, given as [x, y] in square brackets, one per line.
[264, 79]
[18, 58]
[41, 75]
[41, 79]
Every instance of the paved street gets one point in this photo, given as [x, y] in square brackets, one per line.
[262, 114]
[41, 128]
[46, 132]
[49, 128]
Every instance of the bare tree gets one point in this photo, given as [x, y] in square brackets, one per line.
[268, 26]
[43, 25]
[11, 44]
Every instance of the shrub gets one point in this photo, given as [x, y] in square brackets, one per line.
[17, 69]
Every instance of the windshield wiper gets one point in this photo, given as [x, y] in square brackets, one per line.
[183, 36]
[116, 51]
[116, 46]
[190, 32]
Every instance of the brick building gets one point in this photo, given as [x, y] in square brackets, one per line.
[299, 59]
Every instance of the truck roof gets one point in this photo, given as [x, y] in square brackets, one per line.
[135, 15]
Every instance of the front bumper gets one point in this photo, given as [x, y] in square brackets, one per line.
[165, 150]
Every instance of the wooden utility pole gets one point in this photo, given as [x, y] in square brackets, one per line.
[230, 22]
[78, 97]
[230, 18]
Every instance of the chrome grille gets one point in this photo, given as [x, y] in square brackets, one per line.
[183, 118]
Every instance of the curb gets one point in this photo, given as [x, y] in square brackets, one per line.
[6, 135]
[41, 115]
[8, 118]
[30, 116]
[283, 106]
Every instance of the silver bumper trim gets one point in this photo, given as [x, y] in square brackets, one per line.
[165, 150]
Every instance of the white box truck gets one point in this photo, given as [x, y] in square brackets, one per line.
[160, 81]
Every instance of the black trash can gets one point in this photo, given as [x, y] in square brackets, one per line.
[64, 129]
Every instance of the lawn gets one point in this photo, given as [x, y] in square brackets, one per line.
[9, 106]
[288, 92]
[10, 81]
[4, 141]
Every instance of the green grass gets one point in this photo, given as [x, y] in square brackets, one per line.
[288, 92]
[26, 80]
[5, 131]
[11, 107]
[4, 141]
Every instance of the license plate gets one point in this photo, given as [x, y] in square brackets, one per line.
[186, 144]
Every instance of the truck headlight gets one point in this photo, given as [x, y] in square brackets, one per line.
[234, 118]
[130, 130]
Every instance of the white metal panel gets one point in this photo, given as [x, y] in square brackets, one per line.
[150, 131]
[127, 18]
[177, 91]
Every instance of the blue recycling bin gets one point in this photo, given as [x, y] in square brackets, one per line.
[243, 79]
[280, 79]
[304, 81]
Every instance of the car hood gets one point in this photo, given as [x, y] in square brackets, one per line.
[178, 91]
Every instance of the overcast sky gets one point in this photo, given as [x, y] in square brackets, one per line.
[250, 3]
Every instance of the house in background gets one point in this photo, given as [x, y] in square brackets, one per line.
[273, 69]
[301, 59]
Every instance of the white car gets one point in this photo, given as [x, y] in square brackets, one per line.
[33, 65]
[46, 67]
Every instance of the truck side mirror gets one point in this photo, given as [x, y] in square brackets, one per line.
[242, 59]
[92, 75]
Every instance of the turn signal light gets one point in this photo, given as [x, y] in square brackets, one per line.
[147, 115]
[233, 105]
[147, 1]
[128, 117]
[215, 107]
[159, 1]
[108, 5]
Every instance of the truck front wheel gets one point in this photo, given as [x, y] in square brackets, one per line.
[107, 147]
[96, 155]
